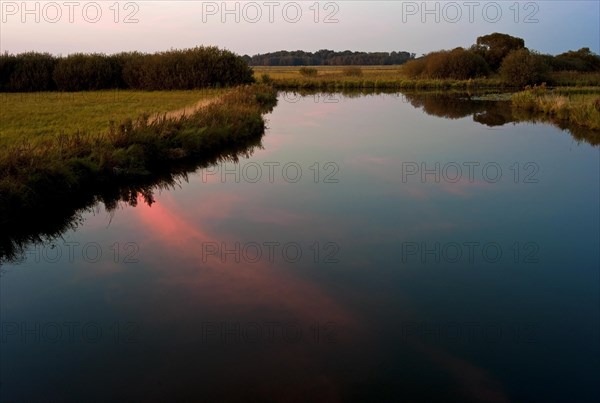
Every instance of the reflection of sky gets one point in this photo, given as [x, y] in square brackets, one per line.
[369, 213]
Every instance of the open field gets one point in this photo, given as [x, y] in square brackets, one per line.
[37, 115]
[393, 77]
[360, 77]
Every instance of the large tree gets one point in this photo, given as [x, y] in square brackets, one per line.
[495, 47]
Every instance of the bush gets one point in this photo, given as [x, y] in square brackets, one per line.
[414, 68]
[81, 72]
[308, 71]
[582, 60]
[27, 72]
[522, 68]
[200, 67]
[458, 64]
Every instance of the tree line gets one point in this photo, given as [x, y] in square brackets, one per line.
[327, 57]
[501, 54]
[200, 67]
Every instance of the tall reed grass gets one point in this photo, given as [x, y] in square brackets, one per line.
[580, 109]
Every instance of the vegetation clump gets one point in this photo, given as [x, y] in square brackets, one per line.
[505, 56]
[353, 71]
[580, 109]
[200, 67]
[522, 68]
[309, 71]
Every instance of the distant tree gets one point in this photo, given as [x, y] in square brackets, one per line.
[522, 67]
[495, 47]
[576, 60]
[325, 57]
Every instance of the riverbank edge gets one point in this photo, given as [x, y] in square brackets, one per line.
[64, 168]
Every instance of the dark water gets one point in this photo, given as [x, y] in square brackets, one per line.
[369, 251]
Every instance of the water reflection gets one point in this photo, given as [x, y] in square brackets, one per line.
[491, 113]
[25, 225]
[457, 105]
[217, 323]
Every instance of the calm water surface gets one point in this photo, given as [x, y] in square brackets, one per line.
[369, 251]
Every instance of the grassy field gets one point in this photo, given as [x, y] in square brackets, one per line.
[34, 116]
[337, 78]
[391, 77]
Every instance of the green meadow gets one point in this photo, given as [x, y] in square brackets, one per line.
[33, 116]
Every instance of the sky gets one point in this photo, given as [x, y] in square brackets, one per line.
[251, 27]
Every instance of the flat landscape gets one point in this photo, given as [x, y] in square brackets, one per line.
[328, 202]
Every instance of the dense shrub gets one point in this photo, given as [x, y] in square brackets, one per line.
[459, 64]
[415, 68]
[185, 69]
[81, 72]
[27, 72]
[200, 67]
[576, 60]
[522, 68]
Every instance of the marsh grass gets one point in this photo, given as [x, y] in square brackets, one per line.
[308, 71]
[579, 108]
[574, 78]
[353, 71]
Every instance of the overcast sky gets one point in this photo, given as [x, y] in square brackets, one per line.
[64, 27]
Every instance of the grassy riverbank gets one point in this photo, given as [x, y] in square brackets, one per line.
[580, 107]
[46, 168]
